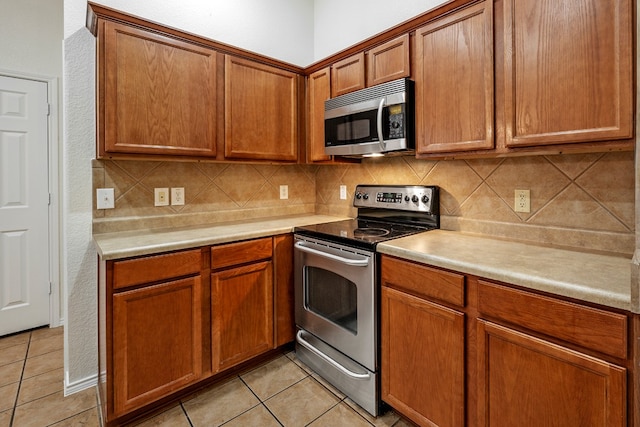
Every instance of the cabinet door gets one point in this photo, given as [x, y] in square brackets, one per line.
[241, 314]
[527, 381]
[422, 359]
[568, 71]
[454, 82]
[389, 61]
[319, 91]
[261, 111]
[156, 95]
[347, 75]
[157, 342]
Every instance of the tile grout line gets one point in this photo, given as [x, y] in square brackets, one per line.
[24, 364]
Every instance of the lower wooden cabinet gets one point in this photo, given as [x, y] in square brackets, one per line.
[498, 355]
[241, 314]
[158, 345]
[422, 359]
[524, 380]
[169, 323]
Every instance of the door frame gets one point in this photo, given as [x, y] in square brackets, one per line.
[53, 150]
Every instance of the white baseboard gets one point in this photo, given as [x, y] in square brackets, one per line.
[76, 386]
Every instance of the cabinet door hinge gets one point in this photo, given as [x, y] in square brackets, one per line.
[50, 285]
[49, 199]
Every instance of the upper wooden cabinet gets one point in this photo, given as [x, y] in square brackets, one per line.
[261, 111]
[318, 91]
[348, 75]
[389, 61]
[454, 82]
[568, 71]
[156, 94]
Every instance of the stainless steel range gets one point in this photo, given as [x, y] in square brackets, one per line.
[337, 285]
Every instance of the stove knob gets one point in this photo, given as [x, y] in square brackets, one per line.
[414, 199]
[406, 198]
[358, 195]
[366, 196]
[425, 199]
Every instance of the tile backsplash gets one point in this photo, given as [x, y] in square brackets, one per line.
[582, 201]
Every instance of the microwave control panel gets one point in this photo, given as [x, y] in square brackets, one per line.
[396, 121]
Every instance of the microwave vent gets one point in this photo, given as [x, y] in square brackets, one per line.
[368, 94]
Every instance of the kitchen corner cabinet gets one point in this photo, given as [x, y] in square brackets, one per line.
[454, 82]
[568, 71]
[462, 350]
[241, 302]
[262, 111]
[156, 94]
[423, 342]
[151, 329]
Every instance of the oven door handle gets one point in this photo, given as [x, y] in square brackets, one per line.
[329, 360]
[359, 262]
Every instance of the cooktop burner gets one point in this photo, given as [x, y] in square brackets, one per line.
[384, 213]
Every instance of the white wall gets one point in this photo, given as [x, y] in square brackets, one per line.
[339, 24]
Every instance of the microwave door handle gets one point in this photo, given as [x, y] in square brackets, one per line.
[383, 144]
[361, 262]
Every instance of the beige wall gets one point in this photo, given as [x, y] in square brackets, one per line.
[579, 201]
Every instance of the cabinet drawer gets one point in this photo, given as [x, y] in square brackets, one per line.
[589, 327]
[154, 268]
[241, 252]
[423, 281]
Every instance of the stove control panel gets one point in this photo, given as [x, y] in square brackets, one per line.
[415, 198]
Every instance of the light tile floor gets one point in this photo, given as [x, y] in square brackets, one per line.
[280, 392]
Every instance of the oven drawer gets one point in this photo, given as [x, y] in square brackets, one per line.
[423, 281]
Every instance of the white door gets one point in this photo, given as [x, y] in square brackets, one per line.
[24, 205]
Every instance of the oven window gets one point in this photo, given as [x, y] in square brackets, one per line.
[331, 296]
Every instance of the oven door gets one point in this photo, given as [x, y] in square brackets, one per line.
[335, 297]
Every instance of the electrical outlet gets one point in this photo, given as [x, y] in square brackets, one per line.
[104, 198]
[523, 201]
[161, 196]
[284, 192]
[343, 192]
[177, 196]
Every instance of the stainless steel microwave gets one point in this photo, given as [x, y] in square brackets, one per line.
[374, 121]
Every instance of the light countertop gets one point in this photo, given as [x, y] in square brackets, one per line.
[146, 242]
[600, 279]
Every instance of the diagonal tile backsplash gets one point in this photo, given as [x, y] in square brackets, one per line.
[583, 201]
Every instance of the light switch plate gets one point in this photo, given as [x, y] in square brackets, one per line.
[105, 198]
[177, 196]
[284, 192]
[343, 192]
[161, 196]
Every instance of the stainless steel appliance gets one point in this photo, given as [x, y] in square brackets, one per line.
[373, 121]
[337, 285]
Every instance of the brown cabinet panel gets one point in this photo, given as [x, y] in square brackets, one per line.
[568, 71]
[389, 61]
[151, 269]
[423, 359]
[454, 82]
[423, 281]
[230, 254]
[241, 314]
[348, 75]
[283, 300]
[319, 91]
[261, 111]
[592, 328]
[157, 95]
[530, 382]
[157, 342]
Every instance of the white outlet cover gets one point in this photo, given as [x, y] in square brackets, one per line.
[284, 192]
[161, 197]
[177, 196]
[105, 198]
[343, 192]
